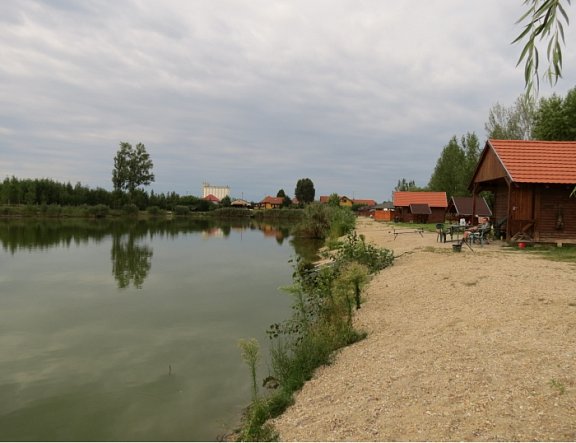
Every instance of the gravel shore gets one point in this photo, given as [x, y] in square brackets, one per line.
[477, 345]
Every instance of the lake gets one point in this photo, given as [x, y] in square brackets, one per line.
[128, 331]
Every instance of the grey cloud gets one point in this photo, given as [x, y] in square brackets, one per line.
[354, 95]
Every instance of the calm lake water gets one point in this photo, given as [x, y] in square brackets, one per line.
[128, 331]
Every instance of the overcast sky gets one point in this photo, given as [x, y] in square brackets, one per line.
[254, 94]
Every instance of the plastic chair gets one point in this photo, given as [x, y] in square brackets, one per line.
[480, 235]
[441, 237]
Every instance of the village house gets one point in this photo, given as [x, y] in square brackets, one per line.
[347, 202]
[532, 183]
[420, 207]
[383, 212]
[271, 202]
[212, 198]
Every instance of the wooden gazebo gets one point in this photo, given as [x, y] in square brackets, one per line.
[532, 183]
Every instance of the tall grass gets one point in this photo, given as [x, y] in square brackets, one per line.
[323, 301]
[322, 221]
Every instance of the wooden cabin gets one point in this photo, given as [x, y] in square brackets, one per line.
[420, 207]
[531, 182]
[383, 212]
[468, 209]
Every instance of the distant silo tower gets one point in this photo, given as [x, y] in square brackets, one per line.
[217, 191]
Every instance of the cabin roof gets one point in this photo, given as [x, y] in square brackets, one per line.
[273, 200]
[212, 198]
[432, 199]
[531, 161]
[464, 206]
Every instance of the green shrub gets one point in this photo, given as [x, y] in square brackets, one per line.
[342, 221]
[315, 222]
[322, 221]
[31, 210]
[181, 210]
[356, 249]
[232, 212]
[53, 210]
[153, 210]
[97, 211]
[130, 209]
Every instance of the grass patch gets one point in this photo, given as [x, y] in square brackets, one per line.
[566, 253]
[558, 385]
[427, 227]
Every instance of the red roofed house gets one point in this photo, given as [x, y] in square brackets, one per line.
[531, 182]
[364, 202]
[271, 203]
[345, 201]
[212, 198]
[420, 207]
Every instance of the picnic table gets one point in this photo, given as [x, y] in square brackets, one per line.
[411, 231]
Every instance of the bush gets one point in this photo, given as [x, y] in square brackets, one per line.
[130, 209]
[153, 210]
[232, 212]
[181, 210]
[53, 210]
[98, 211]
[321, 221]
[316, 222]
[342, 221]
[356, 249]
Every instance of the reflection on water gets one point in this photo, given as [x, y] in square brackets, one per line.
[131, 252]
[130, 261]
[160, 362]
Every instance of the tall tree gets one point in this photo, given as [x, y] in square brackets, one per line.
[549, 119]
[334, 199]
[556, 118]
[455, 166]
[471, 148]
[512, 123]
[407, 185]
[132, 168]
[305, 191]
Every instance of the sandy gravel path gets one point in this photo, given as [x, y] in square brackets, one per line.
[462, 346]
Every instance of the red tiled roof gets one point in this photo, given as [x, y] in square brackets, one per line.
[433, 199]
[537, 161]
[273, 200]
[212, 198]
[364, 202]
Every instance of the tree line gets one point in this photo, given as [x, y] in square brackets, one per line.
[132, 170]
[14, 191]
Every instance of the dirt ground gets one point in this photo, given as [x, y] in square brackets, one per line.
[477, 345]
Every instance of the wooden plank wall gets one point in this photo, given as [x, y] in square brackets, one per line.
[556, 213]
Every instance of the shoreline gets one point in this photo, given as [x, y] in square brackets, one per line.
[476, 345]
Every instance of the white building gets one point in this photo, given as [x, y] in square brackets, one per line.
[217, 191]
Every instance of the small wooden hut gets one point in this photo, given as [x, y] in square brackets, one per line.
[468, 209]
[532, 183]
[420, 207]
